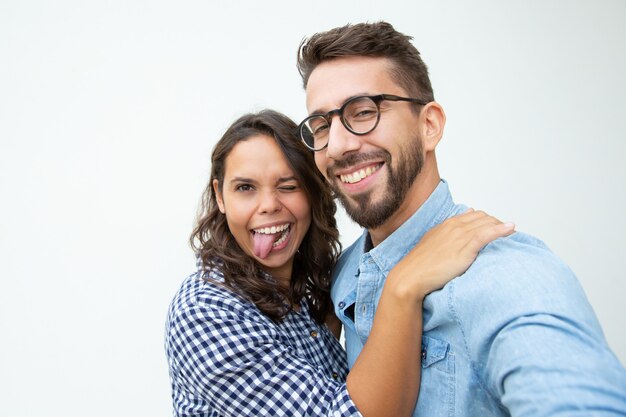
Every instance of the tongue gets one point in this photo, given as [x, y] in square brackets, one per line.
[263, 244]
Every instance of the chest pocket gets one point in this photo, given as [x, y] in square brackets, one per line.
[436, 397]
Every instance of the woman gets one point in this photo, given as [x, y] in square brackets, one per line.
[246, 334]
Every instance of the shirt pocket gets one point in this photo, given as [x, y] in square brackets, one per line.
[436, 397]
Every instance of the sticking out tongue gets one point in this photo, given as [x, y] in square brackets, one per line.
[263, 244]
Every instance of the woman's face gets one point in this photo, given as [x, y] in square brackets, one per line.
[266, 210]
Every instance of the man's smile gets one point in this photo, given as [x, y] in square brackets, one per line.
[359, 174]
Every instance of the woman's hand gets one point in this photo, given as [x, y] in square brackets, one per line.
[445, 252]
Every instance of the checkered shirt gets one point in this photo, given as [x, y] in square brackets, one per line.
[226, 358]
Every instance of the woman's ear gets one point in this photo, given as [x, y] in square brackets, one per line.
[433, 120]
[218, 196]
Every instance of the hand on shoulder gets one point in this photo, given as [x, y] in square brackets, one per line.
[445, 252]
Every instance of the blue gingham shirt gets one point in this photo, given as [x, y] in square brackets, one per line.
[226, 358]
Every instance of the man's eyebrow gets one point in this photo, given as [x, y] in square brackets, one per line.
[322, 112]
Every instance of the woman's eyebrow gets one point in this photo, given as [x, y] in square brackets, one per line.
[241, 179]
[286, 179]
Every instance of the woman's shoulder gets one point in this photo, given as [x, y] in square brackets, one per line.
[205, 291]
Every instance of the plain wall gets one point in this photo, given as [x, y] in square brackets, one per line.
[109, 111]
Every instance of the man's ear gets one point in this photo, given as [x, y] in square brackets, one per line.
[218, 196]
[433, 120]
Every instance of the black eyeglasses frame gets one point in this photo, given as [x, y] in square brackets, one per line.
[377, 99]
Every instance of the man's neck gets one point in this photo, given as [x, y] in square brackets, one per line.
[419, 192]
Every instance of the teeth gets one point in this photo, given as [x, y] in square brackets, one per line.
[272, 230]
[282, 238]
[357, 176]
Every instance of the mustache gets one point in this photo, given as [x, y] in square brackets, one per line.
[357, 158]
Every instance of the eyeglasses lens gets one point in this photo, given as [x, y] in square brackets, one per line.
[359, 115]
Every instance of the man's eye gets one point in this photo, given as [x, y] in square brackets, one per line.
[320, 130]
[364, 114]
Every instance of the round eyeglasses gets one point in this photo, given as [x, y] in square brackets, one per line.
[360, 115]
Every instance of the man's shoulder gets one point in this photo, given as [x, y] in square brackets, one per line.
[520, 275]
[520, 254]
[519, 259]
[518, 245]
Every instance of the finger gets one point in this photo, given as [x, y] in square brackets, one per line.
[488, 233]
[470, 216]
[462, 227]
[483, 221]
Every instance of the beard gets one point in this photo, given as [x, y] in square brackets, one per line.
[372, 214]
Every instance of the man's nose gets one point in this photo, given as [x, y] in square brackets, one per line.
[340, 140]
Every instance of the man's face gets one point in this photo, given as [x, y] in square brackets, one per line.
[371, 174]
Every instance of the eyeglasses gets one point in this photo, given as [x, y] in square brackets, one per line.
[360, 115]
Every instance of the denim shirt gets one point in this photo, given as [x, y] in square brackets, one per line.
[514, 335]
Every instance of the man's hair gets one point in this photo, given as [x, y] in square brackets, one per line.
[218, 250]
[377, 40]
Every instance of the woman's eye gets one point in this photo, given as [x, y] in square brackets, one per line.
[289, 187]
[243, 187]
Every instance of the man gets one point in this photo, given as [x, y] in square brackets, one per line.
[515, 334]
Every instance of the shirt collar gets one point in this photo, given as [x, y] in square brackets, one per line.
[435, 210]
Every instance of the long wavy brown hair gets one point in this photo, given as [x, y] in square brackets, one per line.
[218, 249]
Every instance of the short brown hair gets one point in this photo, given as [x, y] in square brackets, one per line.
[378, 40]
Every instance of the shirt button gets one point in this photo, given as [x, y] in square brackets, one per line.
[342, 304]
[424, 354]
[335, 375]
[313, 333]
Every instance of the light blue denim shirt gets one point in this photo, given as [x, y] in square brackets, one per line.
[514, 335]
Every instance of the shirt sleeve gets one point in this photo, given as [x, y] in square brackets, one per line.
[534, 340]
[239, 367]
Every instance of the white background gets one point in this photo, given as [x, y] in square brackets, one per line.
[109, 111]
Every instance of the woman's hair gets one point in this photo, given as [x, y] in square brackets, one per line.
[217, 248]
[376, 40]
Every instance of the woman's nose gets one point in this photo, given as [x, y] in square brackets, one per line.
[269, 203]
